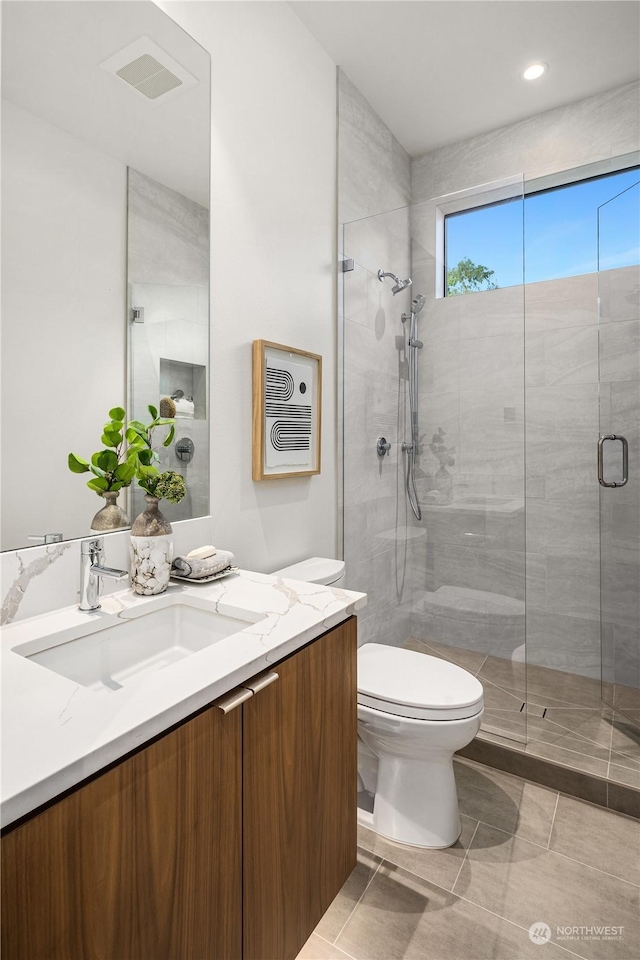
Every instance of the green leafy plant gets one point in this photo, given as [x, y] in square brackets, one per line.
[112, 467]
[169, 485]
[140, 439]
[127, 452]
[468, 277]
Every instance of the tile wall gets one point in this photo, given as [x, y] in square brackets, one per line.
[377, 527]
[374, 170]
[469, 570]
[477, 388]
[374, 196]
[597, 128]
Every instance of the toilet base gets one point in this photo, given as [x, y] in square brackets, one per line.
[406, 766]
[424, 810]
[365, 819]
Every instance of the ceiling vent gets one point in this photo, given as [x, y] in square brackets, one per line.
[148, 70]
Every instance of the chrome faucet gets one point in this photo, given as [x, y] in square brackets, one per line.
[91, 569]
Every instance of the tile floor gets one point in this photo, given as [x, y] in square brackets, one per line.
[578, 729]
[527, 855]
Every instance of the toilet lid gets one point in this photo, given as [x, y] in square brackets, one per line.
[313, 570]
[411, 684]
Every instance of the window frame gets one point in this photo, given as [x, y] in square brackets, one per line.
[457, 204]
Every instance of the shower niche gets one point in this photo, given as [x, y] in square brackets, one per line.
[186, 384]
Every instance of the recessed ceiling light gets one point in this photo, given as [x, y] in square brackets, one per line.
[535, 71]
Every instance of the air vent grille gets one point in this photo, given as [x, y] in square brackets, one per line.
[150, 71]
[149, 76]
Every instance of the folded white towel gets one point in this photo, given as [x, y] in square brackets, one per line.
[185, 409]
[198, 569]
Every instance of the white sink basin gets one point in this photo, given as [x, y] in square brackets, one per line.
[128, 650]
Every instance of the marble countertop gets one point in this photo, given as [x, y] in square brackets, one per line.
[56, 732]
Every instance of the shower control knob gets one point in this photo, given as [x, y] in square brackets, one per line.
[185, 449]
[382, 446]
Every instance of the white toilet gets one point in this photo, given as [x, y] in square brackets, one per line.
[315, 570]
[414, 712]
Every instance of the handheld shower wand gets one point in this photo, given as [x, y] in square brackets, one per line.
[411, 449]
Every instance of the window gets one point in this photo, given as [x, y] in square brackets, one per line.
[490, 246]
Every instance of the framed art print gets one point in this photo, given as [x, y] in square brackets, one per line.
[287, 391]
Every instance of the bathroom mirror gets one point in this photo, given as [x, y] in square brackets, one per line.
[105, 252]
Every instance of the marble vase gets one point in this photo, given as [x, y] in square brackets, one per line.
[151, 550]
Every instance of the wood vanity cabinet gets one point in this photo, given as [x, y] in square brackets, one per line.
[225, 838]
[300, 794]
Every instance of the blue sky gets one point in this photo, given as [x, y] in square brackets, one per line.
[558, 230]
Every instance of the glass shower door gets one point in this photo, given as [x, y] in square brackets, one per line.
[619, 450]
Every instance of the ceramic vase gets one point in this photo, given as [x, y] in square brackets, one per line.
[111, 516]
[151, 550]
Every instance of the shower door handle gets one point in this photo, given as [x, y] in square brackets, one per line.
[625, 460]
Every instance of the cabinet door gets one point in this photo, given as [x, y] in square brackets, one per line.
[300, 794]
[142, 863]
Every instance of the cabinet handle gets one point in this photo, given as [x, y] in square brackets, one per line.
[233, 700]
[245, 692]
[260, 682]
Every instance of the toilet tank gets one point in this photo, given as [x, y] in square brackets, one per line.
[315, 570]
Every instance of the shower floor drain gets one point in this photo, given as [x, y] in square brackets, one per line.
[534, 710]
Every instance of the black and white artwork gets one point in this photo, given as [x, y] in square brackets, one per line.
[288, 413]
[287, 391]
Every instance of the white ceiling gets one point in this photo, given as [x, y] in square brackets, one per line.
[51, 56]
[439, 71]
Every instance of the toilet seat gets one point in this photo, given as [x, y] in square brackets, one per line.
[408, 684]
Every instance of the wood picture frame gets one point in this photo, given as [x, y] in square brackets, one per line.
[287, 411]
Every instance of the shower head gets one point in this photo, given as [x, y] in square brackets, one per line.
[417, 304]
[398, 284]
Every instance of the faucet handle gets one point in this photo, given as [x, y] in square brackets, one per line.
[92, 548]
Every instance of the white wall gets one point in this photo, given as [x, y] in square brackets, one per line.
[273, 257]
[63, 329]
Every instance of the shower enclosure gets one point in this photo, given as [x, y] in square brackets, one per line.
[498, 568]
[619, 448]
[445, 572]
